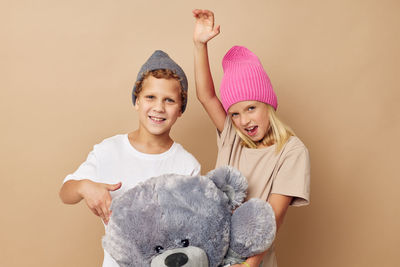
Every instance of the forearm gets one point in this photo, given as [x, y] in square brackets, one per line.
[71, 191]
[203, 78]
[280, 205]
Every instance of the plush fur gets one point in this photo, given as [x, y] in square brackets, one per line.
[175, 220]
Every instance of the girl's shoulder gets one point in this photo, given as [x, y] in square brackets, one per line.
[294, 143]
[295, 154]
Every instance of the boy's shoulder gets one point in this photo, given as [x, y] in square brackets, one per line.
[115, 138]
[182, 151]
[113, 142]
[182, 155]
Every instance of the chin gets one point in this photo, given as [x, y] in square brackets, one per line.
[256, 139]
[159, 133]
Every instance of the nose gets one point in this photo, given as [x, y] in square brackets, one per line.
[176, 260]
[159, 106]
[244, 120]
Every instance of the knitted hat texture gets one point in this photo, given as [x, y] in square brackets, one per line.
[160, 60]
[245, 79]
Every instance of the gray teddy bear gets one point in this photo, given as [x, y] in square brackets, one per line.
[189, 221]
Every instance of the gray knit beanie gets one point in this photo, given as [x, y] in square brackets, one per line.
[160, 60]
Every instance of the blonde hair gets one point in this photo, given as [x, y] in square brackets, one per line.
[278, 133]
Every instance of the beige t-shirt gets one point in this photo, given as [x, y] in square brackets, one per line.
[286, 172]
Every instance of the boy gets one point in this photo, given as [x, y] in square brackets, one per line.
[120, 162]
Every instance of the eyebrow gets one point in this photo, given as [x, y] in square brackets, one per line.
[247, 106]
[244, 108]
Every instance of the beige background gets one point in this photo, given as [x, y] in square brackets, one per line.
[67, 68]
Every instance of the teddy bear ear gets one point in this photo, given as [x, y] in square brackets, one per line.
[231, 182]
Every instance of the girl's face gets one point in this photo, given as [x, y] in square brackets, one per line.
[251, 118]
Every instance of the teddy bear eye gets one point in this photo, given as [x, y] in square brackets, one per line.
[185, 242]
[158, 249]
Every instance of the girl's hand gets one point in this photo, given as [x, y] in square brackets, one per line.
[204, 29]
[98, 198]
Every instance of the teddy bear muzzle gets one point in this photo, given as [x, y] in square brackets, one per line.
[181, 257]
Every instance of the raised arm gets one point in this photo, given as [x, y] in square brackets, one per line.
[203, 32]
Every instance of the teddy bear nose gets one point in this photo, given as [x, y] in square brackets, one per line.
[176, 260]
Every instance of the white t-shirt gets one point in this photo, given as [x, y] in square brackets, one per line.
[116, 160]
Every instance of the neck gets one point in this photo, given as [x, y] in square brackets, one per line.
[150, 144]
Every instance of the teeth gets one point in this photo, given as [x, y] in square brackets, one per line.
[157, 119]
[250, 129]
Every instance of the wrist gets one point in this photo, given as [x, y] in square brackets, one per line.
[245, 264]
[82, 187]
[200, 45]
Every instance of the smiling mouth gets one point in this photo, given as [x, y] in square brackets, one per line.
[157, 119]
[251, 130]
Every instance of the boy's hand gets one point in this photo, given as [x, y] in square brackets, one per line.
[204, 29]
[98, 198]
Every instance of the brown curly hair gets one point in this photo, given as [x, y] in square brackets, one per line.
[161, 74]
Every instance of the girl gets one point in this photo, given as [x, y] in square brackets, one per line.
[250, 135]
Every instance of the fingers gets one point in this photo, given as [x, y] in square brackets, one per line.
[95, 211]
[105, 207]
[208, 13]
[103, 211]
[113, 187]
[99, 199]
[106, 214]
[196, 12]
[203, 14]
[217, 30]
[99, 210]
[204, 29]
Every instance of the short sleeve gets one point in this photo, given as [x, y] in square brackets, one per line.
[87, 170]
[196, 170]
[188, 163]
[293, 176]
[227, 136]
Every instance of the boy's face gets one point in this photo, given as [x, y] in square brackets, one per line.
[159, 105]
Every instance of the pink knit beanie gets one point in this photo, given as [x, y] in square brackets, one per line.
[245, 79]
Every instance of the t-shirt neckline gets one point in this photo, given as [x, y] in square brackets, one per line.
[136, 152]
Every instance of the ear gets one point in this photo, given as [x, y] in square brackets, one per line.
[136, 106]
[231, 182]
